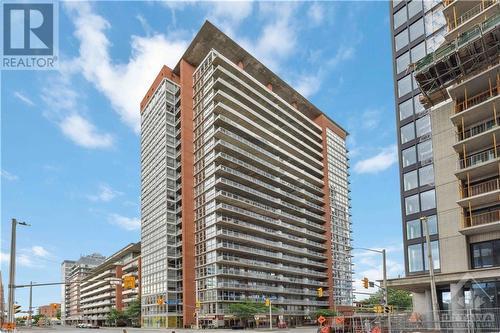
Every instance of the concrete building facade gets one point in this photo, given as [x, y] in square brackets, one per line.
[458, 86]
[73, 273]
[102, 289]
[244, 194]
[50, 310]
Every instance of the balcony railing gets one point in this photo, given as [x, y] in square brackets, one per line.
[476, 99]
[478, 158]
[477, 129]
[474, 220]
[480, 7]
[481, 188]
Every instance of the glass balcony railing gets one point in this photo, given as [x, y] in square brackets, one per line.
[478, 158]
[476, 99]
[481, 188]
[474, 220]
[479, 8]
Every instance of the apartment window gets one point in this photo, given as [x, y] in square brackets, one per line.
[426, 175]
[415, 258]
[401, 39]
[417, 52]
[435, 255]
[409, 156]
[428, 200]
[416, 29]
[407, 133]
[435, 41]
[414, 7]
[423, 125]
[404, 85]
[418, 106]
[400, 17]
[396, 2]
[432, 225]
[411, 204]
[434, 20]
[405, 109]
[429, 4]
[413, 229]
[410, 180]
[424, 150]
[402, 62]
[485, 254]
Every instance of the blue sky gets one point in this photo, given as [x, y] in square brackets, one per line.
[70, 143]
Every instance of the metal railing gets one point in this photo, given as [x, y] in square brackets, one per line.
[478, 158]
[481, 188]
[473, 220]
[475, 100]
[480, 7]
[477, 129]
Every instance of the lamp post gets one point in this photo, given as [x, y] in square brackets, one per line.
[12, 270]
[430, 261]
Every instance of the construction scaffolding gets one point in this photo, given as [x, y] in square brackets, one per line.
[474, 49]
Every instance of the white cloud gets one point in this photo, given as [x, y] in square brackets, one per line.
[308, 85]
[26, 100]
[4, 258]
[124, 84]
[105, 194]
[344, 53]
[84, 133]
[127, 223]
[40, 251]
[315, 13]
[8, 176]
[380, 162]
[370, 119]
[229, 15]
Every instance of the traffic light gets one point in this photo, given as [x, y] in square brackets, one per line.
[198, 304]
[17, 308]
[129, 282]
[160, 300]
[366, 283]
[320, 292]
[268, 302]
[389, 309]
[54, 306]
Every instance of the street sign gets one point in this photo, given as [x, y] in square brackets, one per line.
[321, 319]
[378, 308]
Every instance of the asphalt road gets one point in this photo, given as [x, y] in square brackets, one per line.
[169, 330]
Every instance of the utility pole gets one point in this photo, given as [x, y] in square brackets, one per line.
[12, 270]
[270, 315]
[435, 306]
[30, 309]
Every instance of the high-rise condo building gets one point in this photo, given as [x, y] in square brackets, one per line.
[446, 65]
[245, 192]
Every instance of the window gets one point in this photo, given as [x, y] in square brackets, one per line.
[428, 200]
[434, 20]
[396, 2]
[402, 62]
[429, 4]
[418, 106]
[401, 39]
[414, 7]
[405, 109]
[435, 255]
[411, 204]
[404, 85]
[485, 254]
[413, 229]
[409, 156]
[410, 180]
[416, 29]
[424, 150]
[415, 258]
[432, 225]
[407, 133]
[426, 175]
[423, 125]
[435, 41]
[417, 52]
[400, 17]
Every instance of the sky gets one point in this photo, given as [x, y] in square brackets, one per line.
[70, 143]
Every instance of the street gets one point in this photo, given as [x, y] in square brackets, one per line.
[310, 329]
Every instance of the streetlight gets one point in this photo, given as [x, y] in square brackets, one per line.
[435, 306]
[12, 269]
[384, 268]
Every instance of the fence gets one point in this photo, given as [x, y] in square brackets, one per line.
[458, 321]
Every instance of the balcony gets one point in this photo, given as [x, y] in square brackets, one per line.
[478, 136]
[469, 102]
[480, 194]
[478, 164]
[481, 223]
[463, 17]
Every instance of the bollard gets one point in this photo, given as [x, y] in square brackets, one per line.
[124, 330]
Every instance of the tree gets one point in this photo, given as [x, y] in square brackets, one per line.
[133, 312]
[58, 314]
[246, 310]
[325, 313]
[401, 299]
[117, 317]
